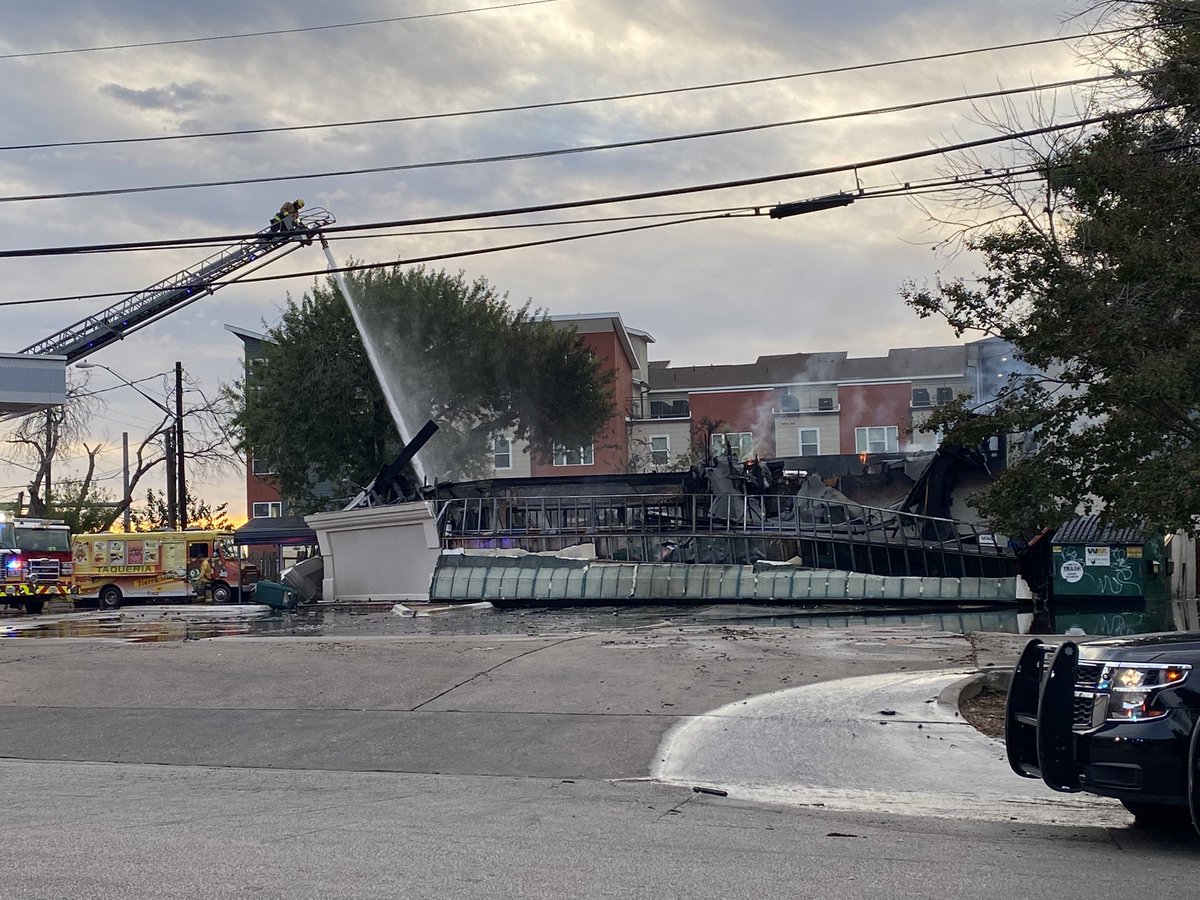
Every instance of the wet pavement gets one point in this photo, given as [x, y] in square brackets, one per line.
[155, 623]
[869, 743]
[357, 753]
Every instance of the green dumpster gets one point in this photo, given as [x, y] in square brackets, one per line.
[275, 595]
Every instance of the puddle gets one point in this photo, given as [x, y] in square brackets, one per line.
[149, 624]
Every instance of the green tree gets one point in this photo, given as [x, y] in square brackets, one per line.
[152, 514]
[452, 350]
[1095, 280]
[84, 506]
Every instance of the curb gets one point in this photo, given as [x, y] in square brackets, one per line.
[992, 678]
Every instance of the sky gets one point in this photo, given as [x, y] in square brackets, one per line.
[720, 292]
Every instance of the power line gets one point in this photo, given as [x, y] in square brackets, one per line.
[543, 154]
[251, 34]
[553, 104]
[119, 386]
[186, 243]
[415, 261]
[620, 198]
[645, 195]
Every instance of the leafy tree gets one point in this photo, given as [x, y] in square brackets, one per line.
[452, 351]
[84, 506]
[152, 515]
[1095, 281]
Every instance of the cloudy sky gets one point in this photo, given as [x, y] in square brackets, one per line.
[723, 291]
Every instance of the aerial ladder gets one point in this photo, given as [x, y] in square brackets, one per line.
[222, 268]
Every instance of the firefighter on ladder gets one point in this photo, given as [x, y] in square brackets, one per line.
[287, 220]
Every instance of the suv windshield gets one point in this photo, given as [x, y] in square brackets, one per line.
[46, 540]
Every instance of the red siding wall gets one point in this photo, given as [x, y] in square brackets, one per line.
[258, 490]
[612, 443]
[739, 411]
[864, 405]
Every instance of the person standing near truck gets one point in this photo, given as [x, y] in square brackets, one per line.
[204, 581]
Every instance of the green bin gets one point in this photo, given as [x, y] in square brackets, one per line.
[275, 595]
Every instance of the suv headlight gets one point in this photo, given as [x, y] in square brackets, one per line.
[1133, 689]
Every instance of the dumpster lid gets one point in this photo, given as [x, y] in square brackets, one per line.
[1090, 530]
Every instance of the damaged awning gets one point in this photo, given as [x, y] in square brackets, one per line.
[279, 530]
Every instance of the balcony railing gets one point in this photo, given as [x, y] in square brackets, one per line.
[661, 409]
[725, 528]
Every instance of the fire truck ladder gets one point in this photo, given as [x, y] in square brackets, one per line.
[207, 276]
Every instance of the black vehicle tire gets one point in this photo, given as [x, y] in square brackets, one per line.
[35, 607]
[1158, 815]
[110, 598]
[222, 593]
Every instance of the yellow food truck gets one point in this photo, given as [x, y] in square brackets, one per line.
[114, 568]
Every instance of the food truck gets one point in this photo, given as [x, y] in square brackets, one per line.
[119, 567]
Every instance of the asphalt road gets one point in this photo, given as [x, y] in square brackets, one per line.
[516, 765]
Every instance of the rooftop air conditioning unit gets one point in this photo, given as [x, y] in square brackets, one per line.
[825, 403]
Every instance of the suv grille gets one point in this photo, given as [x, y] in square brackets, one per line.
[1087, 675]
[1081, 714]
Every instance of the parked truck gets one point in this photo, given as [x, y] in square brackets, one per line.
[115, 568]
[35, 562]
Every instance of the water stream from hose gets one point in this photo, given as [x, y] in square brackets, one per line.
[370, 342]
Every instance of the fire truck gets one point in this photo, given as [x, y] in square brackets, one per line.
[35, 562]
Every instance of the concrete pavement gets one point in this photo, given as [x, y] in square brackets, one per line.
[489, 765]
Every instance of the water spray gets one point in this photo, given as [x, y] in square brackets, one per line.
[406, 431]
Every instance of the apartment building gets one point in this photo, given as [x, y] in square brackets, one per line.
[796, 404]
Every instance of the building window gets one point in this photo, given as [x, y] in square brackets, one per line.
[272, 510]
[884, 439]
[810, 442]
[660, 449]
[740, 442]
[920, 397]
[575, 456]
[502, 453]
[261, 467]
[945, 395]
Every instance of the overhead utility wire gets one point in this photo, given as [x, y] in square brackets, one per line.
[645, 195]
[278, 31]
[566, 151]
[628, 198]
[552, 104]
[423, 259]
[119, 386]
[187, 243]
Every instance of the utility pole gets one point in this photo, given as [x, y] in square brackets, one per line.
[169, 451]
[127, 521]
[181, 492]
[49, 456]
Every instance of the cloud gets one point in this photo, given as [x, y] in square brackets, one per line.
[173, 97]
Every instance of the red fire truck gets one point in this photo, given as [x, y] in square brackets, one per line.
[35, 562]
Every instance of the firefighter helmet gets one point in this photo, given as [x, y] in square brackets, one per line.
[299, 204]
